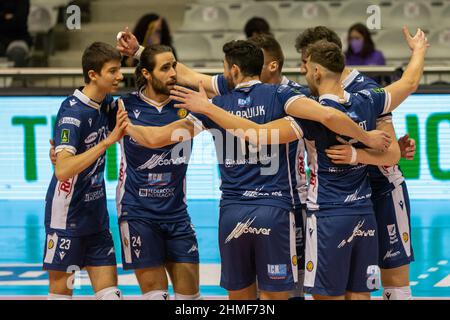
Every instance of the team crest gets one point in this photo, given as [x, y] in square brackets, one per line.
[51, 244]
[125, 242]
[182, 113]
[405, 237]
[65, 135]
[310, 266]
[294, 260]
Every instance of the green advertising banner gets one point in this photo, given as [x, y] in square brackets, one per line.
[26, 125]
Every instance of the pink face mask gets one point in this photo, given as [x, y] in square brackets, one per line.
[357, 45]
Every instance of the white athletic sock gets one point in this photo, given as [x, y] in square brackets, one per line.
[54, 296]
[397, 293]
[111, 293]
[196, 296]
[156, 295]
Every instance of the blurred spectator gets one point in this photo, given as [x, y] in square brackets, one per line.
[361, 49]
[255, 26]
[15, 41]
[151, 29]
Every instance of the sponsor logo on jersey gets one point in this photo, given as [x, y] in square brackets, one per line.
[182, 113]
[310, 266]
[193, 249]
[157, 193]
[94, 195]
[69, 120]
[277, 271]
[257, 193]
[65, 134]
[160, 160]
[97, 180]
[243, 103]
[357, 232]
[245, 227]
[392, 231]
[265, 159]
[405, 237]
[73, 102]
[159, 179]
[66, 187]
[355, 196]
[391, 254]
[360, 79]
[90, 122]
[62, 254]
[137, 252]
[136, 113]
[91, 138]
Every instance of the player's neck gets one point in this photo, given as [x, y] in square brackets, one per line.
[345, 73]
[331, 86]
[92, 92]
[246, 79]
[150, 93]
[276, 79]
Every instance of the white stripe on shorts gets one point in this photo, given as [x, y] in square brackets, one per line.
[311, 251]
[293, 246]
[52, 242]
[126, 240]
[401, 215]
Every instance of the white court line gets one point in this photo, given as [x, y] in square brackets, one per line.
[423, 276]
[433, 269]
[413, 283]
[442, 262]
[32, 274]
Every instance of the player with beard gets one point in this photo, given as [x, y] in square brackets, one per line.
[155, 227]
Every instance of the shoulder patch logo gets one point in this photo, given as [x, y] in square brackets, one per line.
[378, 90]
[65, 133]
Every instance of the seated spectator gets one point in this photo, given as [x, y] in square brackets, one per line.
[361, 49]
[151, 29]
[15, 41]
[256, 26]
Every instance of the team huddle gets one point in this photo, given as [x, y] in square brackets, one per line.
[282, 233]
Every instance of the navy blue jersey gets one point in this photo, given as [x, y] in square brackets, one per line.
[341, 189]
[382, 178]
[245, 172]
[153, 181]
[296, 148]
[77, 207]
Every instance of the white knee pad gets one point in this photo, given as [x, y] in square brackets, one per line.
[53, 296]
[156, 295]
[397, 293]
[196, 296]
[111, 293]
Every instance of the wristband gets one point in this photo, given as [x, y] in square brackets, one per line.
[354, 159]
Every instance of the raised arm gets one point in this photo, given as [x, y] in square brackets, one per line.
[338, 122]
[409, 82]
[346, 154]
[69, 165]
[275, 132]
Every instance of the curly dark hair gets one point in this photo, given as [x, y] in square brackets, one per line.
[271, 46]
[312, 35]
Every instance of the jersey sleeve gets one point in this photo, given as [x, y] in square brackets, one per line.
[286, 95]
[68, 132]
[220, 85]
[381, 100]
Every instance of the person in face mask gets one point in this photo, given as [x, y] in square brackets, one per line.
[361, 49]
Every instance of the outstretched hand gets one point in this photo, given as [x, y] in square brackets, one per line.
[407, 147]
[191, 100]
[418, 42]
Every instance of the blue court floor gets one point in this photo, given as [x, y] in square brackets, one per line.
[22, 239]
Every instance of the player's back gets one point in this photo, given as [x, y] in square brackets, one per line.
[341, 189]
[77, 206]
[260, 177]
[153, 179]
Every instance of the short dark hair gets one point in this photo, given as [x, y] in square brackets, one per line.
[327, 54]
[256, 25]
[148, 61]
[271, 46]
[312, 35]
[95, 56]
[142, 26]
[246, 55]
[369, 45]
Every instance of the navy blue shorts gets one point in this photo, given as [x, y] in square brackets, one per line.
[257, 243]
[392, 212]
[341, 255]
[63, 253]
[148, 244]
